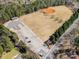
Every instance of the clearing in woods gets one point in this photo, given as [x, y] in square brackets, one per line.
[45, 22]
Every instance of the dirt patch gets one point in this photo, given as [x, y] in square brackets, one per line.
[48, 10]
[44, 25]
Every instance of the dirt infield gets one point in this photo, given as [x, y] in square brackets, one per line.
[44, 25]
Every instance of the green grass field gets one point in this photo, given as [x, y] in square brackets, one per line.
[10, 55]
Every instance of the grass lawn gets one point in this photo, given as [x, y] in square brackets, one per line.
[10, 55]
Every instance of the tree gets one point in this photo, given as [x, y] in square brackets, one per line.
[1, 50]
[5, 39]
[22, 47]
[52, 39]
[76, 41]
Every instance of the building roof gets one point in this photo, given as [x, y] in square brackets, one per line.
[44, 25]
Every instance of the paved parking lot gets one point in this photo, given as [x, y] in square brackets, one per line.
[28, 37]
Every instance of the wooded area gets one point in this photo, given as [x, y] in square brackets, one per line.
[10, 10]
[9, 41]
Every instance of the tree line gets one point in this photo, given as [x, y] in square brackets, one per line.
[10, 10]
[54, 37]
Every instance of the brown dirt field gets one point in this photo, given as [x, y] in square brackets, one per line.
[43, 25]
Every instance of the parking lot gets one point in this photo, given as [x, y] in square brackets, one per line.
[28, 37]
